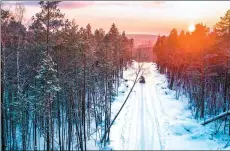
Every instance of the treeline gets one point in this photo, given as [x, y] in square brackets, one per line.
[58, 80]
[143, 52]
[198, 64]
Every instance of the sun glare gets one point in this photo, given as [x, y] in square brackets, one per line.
[191, 28]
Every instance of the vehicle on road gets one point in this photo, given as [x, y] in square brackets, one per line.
[142, 79]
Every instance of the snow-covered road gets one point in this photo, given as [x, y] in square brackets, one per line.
[153, 119]
[144, 127]
[141, 128]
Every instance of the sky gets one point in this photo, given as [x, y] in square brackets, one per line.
[136, 17]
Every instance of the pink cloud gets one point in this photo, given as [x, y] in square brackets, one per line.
[76, 4]
[127, 3]
[81, 4]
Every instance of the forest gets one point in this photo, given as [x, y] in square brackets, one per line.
[197, 64]
[58, 80]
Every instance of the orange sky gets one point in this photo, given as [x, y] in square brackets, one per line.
[150, 17]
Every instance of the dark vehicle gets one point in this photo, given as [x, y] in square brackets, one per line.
[142, 79]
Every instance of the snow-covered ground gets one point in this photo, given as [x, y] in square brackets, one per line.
[154, 119]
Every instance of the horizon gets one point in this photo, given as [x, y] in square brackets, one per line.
[138, 17]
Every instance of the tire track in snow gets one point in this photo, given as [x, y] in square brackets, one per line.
[158, 102]
[149, 86]
[151, 117]
[166, 121]
[161, 141]
[142, 132]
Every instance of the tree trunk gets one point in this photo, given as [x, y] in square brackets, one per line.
[172, 80]
[225, 91]
[3, 145]
[47, 134]
[202, 100]
[83, 101]
[227, 113]
[59, 121]
[35, 130]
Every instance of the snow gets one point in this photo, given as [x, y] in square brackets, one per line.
[154, 119]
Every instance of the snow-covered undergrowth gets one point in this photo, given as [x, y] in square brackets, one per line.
[185, 132]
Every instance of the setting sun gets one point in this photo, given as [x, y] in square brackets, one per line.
[191, 28]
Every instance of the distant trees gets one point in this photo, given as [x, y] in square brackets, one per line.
[58, 80]
[143, 52]
[197, 64]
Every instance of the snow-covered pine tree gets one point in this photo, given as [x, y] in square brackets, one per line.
[47, 85]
